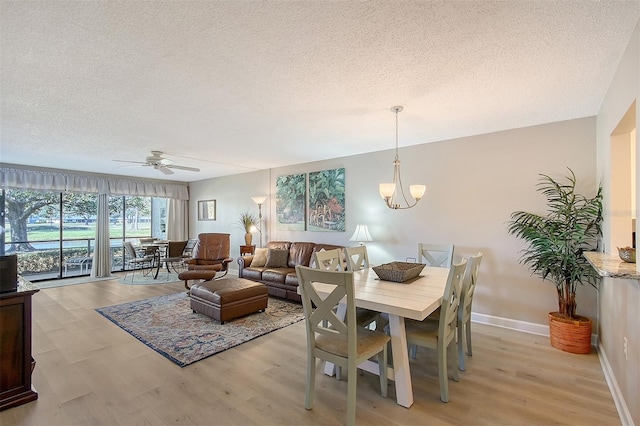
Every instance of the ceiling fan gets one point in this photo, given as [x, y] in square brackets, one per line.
[158, 162]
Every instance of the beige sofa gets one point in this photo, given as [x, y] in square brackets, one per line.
[279, 275]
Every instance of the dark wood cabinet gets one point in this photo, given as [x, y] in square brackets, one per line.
[16, 362]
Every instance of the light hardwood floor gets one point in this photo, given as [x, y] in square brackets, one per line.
[90, 372]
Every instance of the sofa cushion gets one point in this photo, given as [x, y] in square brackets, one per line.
[291, 279]
[277, 258]
[260, 257]
[300, 254]
[253, 273]
[276, 275]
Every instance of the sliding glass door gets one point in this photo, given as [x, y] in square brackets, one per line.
[53, 233]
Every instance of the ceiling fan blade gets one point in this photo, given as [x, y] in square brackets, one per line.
[165, 161]
[163, 169]
[190, 169]
[127, 161]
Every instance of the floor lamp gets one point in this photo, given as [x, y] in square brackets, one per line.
[259, 200]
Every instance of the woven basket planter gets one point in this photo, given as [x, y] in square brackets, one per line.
[570, 335]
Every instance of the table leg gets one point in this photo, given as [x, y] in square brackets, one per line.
[402, 374]
[156, 260]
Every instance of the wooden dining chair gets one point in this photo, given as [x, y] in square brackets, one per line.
[440, 255]
[464, 311]
[332, 260]
[441, 335]
[334, 340]
[329, 260]
[357, 259]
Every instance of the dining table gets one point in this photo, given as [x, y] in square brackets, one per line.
[414, 299]
[159, 248]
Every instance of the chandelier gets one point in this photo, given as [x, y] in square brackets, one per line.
[393, 193]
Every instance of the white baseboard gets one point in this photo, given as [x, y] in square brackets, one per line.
[524, 326]
[616, 393]
[511, 324]
[543, 330]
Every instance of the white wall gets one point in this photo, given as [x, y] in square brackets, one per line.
[620, 299]
[473, 184]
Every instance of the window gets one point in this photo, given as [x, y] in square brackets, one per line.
[53, 233]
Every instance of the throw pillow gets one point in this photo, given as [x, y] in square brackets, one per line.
[277, 258]
[260, 257]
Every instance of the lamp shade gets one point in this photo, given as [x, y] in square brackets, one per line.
[417, 191]
[361, 234]
[387, 190]
[259, 199]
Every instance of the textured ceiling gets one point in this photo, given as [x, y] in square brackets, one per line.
[236, 86]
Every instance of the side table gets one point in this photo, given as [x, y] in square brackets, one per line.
[245, 250]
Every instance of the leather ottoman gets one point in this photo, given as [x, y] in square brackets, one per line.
[228, 298]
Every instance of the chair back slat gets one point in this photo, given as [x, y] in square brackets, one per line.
[176, 248]
[357, 258]
[329, 260]
[469, 286]
[320, 317]
[450, 303]
[440, 255]
[129, 249]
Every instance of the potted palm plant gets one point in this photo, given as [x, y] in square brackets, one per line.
[247, 221]
[556, 242]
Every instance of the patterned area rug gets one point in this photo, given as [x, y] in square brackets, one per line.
[168, 325]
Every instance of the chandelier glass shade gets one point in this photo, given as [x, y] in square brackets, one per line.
[393, 193]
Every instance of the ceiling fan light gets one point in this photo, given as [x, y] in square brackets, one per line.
[417, 191]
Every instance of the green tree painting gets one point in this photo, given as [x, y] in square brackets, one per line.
[326, 200]
[290, 202]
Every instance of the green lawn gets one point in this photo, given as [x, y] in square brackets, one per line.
[70, 231]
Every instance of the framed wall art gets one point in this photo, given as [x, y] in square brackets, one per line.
[207, 210]
[291, 191]
[327, 200]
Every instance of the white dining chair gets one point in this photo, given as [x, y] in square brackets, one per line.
[358, 259]
[441, 335]
[334, 340]
[329, 260]
[464, 311]
[440, 255]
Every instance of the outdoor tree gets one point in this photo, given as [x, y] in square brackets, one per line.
[135, 208]
[82, 205]
[20, 205]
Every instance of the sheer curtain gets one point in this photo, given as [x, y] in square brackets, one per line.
[178, 220]
[102, 250]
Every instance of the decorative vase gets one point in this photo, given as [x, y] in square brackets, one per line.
[570, 335]
[248, 238]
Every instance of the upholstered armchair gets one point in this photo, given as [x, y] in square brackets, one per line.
[211, 253]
